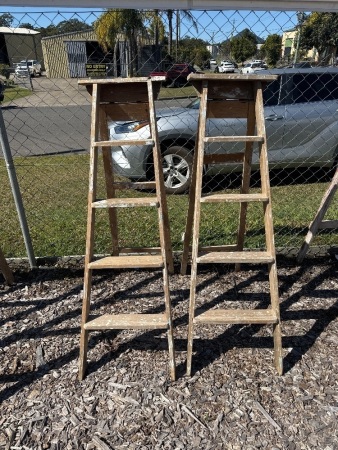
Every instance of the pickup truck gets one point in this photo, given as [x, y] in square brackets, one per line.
[30, 65]
[176, 75]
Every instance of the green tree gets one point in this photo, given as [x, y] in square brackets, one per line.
[120, 24]
[180, 14]
[320, 30]
[6, 20]
[71, 25]
[271, 49]
[27, 25]
[156, 28]
[243, 46]
[193, 51]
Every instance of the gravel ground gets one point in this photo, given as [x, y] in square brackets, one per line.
[234, 400]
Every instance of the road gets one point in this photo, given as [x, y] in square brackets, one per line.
[49, 130]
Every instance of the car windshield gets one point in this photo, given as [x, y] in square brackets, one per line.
[28, 63]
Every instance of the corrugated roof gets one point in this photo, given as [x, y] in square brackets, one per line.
[10, 30]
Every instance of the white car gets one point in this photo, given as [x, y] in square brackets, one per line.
[30, 67]
[226, 67]
[254, 67]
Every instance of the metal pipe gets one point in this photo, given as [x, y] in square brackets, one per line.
[16, 191]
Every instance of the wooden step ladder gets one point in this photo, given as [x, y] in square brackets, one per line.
[130, 100]
[231, 96]
[318, 221]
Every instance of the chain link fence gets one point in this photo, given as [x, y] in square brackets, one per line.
[47, 120]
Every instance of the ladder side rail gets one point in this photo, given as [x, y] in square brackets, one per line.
[5, 269]
[191, 206]
[196, 220]
[160, 188]
[109, 179]
[318, 219]
[246, 174]
[269, 232]
[90, 230]
[163, 217]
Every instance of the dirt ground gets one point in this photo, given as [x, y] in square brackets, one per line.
[234, 399]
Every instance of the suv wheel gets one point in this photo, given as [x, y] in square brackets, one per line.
[177, 167]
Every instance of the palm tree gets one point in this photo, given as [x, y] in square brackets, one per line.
[187, 15]
[115, 25]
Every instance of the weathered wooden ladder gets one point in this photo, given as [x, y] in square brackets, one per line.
[124, 99]
[318, 221]
[231, 96]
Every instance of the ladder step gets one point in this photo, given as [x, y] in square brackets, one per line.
[236, 257]
[234, 139]
[123, 142]
[127, 262]
[235, 198]
[127, 321]
[126, 202]
[228, 316]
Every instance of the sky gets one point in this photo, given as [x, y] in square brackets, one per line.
[213, 26]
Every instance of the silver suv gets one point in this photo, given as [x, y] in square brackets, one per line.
[301, 116]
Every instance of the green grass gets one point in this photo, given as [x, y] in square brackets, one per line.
[188, 91]
[14, 92]
[54, 191]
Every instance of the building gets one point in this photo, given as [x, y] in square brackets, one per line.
[289, 47]
[70, 55]
[17, 44]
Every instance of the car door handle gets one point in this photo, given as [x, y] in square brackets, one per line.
[274, 117]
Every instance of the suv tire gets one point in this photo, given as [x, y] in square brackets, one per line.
[177, 167]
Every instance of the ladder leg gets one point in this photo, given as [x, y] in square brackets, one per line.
[313, 228]
[170, 332]
[196, 223]
[7, 273]
[160, 188]
[109, 180]
[191, 208]
[269, 231]
[277, 331]
[90, 235]
[245, 182]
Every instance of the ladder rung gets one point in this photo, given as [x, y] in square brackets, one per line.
[241, 316]
[235, 198]
[217, 158]
[234, 139]
[134, 185]
[236, 257]
[126, 202]
[127, 321]
[122, 142]
[127, 262]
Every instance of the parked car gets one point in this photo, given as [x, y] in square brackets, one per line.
[176, 75]
[225, 67]
[254, 67]
[213, 62]
[30, 67]
[301, 65]
[301, 114]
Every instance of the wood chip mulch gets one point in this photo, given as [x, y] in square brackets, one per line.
[234, 399]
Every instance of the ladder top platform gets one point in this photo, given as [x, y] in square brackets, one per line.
[123, 90]
[119, 80]
[195, 77]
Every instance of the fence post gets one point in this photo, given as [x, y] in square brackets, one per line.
[16, 191]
